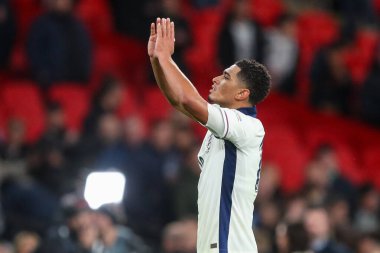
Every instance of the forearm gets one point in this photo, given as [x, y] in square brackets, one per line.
[186, 97]
[178, 86]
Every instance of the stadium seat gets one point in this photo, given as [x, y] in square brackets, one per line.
[129, 104]
[371, 161]
[360, 56]
[74, 100]
[18, 61]
[283, 148]
[26, 11]
[201, 57]
[97, 18]
[21, 99]
[266, 12]
[155, 105]
[377, 6]
[315, 30]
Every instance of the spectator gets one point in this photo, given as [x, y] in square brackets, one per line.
[77, 234]
[240, 36]
[367, 217]
[282, 54]
[59, 47]
[105, 149]
[180, 236]
[370, 93]
[7, 32]
[324, 180]
[331, 84]
[107, 99]
[55, 132]
[26, 242]
[185, 190]
[369, 243]
[115, 238]
[15, 148]
[6, 247]
[317, 226]
[148, 215]
[339, 212]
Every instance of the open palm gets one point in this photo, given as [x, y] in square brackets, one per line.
[165, 40]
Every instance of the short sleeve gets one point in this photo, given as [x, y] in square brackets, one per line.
[232, 125]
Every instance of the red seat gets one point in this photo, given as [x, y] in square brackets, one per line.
[97, 18]
[283, 148]
[129, 104]
[266, 12]
[2, 122]
[315, 30]
[371, 161]
[21, 99]
[74, 100]
[26, 11]
[155, 105]
[359, 57]
[377, 6]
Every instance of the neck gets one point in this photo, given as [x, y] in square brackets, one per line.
[240, 105]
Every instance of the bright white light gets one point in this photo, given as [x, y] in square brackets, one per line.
[104, 188]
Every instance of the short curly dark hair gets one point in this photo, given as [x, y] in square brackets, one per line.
[257, 79]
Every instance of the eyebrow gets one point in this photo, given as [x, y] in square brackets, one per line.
[226, 73]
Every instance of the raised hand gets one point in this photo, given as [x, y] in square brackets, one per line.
[165, 38]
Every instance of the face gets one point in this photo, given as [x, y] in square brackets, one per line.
[227, 88]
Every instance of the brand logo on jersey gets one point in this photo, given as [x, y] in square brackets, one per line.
[208, 146]
[201, 161]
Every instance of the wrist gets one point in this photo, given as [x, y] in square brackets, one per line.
[164, 58]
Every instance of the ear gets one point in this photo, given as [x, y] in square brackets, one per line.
[242, 94]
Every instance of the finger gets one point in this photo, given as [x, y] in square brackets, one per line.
[164, 31]
[158, 21]
[152, 29]
[159, 30]
[172, 30]
[168, 30]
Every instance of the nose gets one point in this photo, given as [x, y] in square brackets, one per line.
[215, 80]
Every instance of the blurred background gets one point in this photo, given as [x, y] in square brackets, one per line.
[77, 96]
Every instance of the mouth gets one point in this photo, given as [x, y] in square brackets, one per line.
[213, 88]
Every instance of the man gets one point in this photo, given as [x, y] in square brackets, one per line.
[230, 156]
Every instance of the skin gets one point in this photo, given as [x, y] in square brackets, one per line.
[227, 89]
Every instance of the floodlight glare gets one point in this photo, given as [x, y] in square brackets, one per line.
[104, 188]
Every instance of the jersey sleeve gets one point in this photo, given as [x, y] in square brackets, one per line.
[228, 124]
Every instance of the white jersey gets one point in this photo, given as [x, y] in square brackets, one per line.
[230, 160]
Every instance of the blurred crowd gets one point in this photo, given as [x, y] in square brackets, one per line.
[42, 182]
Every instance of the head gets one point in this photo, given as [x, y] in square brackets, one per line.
[55, 117]
[244, 84]
[26, 242]
[242, 9]
[171, 7]
[161, 135]
[287, 23]
[60, 6]
[109, 128]
[317, 223]
[16, 131]
[109, 96]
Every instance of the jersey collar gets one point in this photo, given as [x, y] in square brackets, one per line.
[250, 111]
